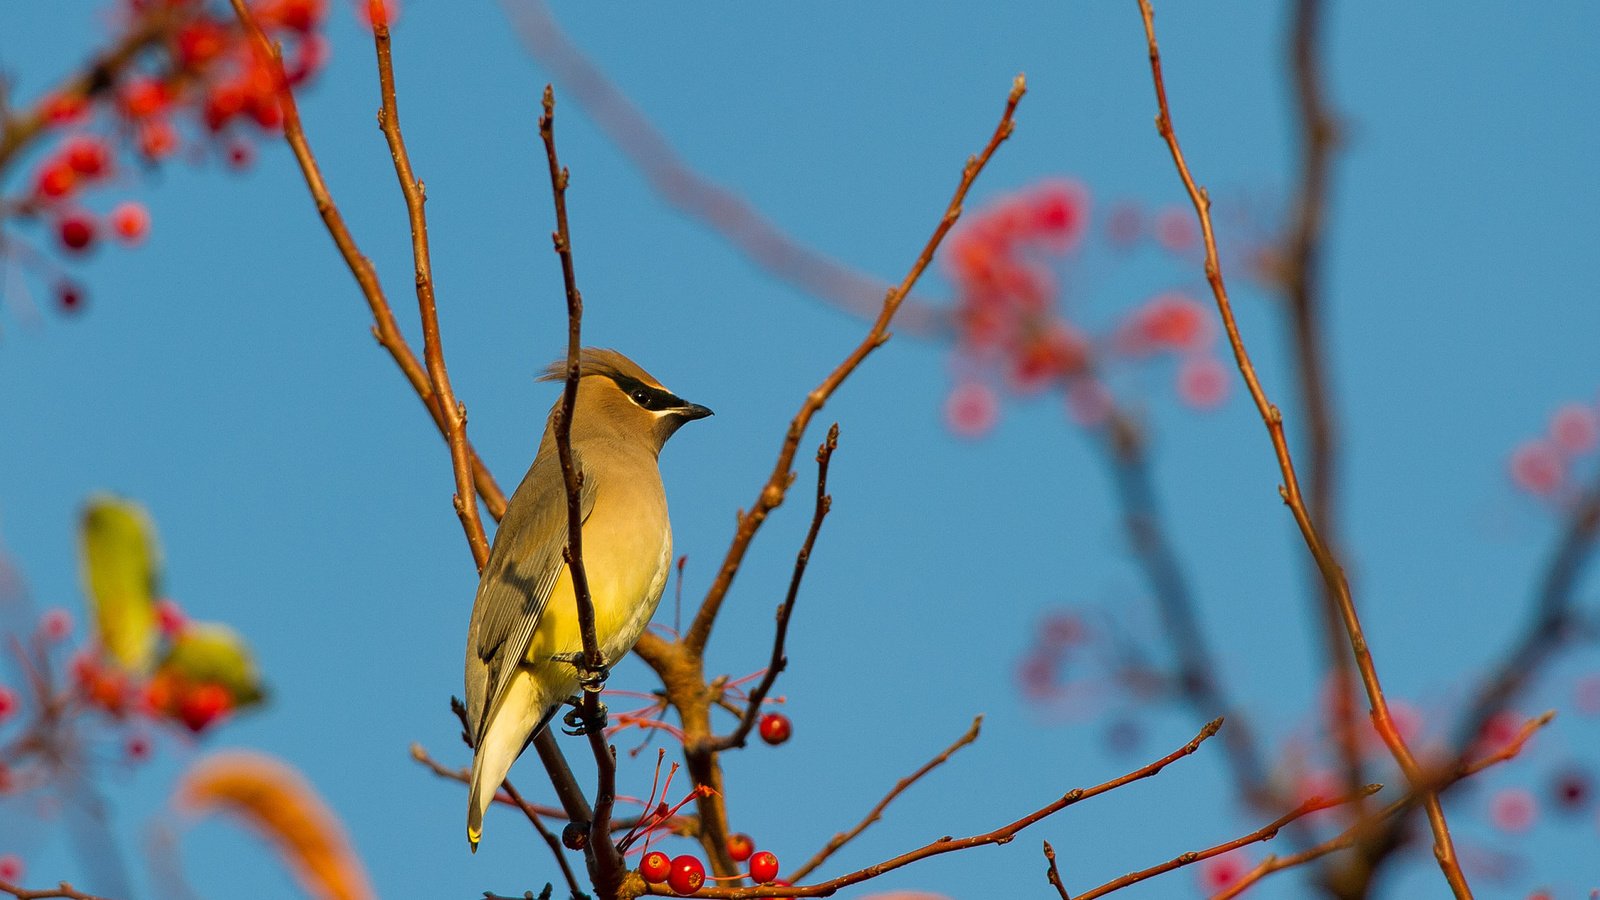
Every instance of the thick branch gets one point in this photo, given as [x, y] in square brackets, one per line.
[1327, 564]
[61, 890]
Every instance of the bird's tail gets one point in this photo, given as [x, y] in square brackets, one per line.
[512, 724]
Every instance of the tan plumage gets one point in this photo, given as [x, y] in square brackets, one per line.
[525, 613]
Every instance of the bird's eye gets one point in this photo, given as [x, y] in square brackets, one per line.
[640, 396]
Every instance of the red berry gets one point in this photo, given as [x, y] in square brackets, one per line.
[170, 618]
[131, 222]
[11, 868]
[137, 748]
[8, 703]
[87, 156]
[687, 875]
[1513, 810]
[76, 232]
[69, 297]
[1203, 382]
[655, 867]
[62, 109]
[56, 180]
[240, 155]
[764, 867]
[775, 728]
[144, 97]
[200, 41]
[1572, 790]
[203, 705]
[157, 138]
[740, 847]
[56, 624]
[971, 409]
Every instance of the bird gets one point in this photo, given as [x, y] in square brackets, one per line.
[524, 646]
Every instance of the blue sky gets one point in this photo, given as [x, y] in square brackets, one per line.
[224, 375]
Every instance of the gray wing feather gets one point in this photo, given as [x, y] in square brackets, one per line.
[523, 568]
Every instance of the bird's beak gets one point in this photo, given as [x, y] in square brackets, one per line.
[692, 411]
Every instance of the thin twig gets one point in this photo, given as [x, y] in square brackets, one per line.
[609, 869]
[1003, 834]
[1053, 874]
[416, 197]
[845, 837]
[61, 890]
[779, 661]
[1391, 813]
[384, 328]
[1333, 574]
[730, 216]
[772, 493]
[551, 841]
[1265, 833]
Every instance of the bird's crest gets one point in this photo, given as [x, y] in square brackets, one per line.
[600, 361]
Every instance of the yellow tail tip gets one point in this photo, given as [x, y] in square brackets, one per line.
[472, 838]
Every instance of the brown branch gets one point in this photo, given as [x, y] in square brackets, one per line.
[772, 493]
[384, 329]
[1053, 874]
[1265, 833]
[845, 837]
[779, 661]
[550, 840]
[727, 214]
[609, 869]
[1003, 834]
[1327, 564]
[416, 197]
[1391, 813]
[61, 890]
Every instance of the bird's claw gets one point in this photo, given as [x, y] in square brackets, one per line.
[578, 722]
[591, 679]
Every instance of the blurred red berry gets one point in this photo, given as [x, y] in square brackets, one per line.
[76, 231]
[1062, 629]
[56, 180]
[56, 624]
[143, 97]
[1175, 229]
[222, 103]
[1537, 467]
[65, 109]
[1055, 351]
[11, 868]
[240, 155]
[136, 748]
[775, 728]
[202, 705]
[310, 57]
[88, 156]
[1203, 382]
[1586, 694]
[130, 222]
[8, 702]
[1571, 790]
[1220, 872]
[169, 617]
[200, 41]
[68, 296]
[655, 867]
[108, 689]
[972, 409]
[299, 15]
[687, 875]
[378, 11]
[1174, 321]
[740, 846]
[1575, 429]
[1060, 212]
[764, 867]
[1513, 810]
[161, 694]
[1499, 731]
[157, 138]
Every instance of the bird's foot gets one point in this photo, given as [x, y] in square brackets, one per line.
[591, 679]
[579, 722]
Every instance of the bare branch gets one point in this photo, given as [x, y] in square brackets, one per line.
[61, 890]
[1000, 835]
[1332, 572]
[845, 837]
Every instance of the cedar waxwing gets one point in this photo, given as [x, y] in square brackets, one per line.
[524, 640]
[122, 578]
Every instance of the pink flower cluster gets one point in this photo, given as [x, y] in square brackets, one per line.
[1011, 329]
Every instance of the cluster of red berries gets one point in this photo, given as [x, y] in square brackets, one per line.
[1544, 466]
[1010, 327]
[687, 874]
[202, 70]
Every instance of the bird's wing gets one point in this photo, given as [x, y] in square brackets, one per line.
[522, 570]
